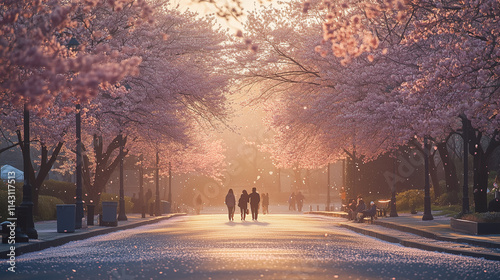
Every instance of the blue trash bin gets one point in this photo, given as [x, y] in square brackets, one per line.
[109, 211]
[66, 217]
[165, 207]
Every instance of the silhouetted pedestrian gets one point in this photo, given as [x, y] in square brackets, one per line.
[150, 207]
[198, 205]
[230, 203]
[254, 203]
[243, 204]
[494, 205]
[135, 202]
[265, 203]
[291, 202]
[149, 194]
[299, 198]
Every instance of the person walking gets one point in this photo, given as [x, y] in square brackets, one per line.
[265, 203]
[149, 195]
[254, 203]
[291, 202]
[243, 204]
[230, 203]
[199, 204]
[299, 198]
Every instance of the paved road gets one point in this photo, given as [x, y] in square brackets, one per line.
[276, 247]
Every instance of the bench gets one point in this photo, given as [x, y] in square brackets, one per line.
[368, 218]
[367, 214]
[382, 207]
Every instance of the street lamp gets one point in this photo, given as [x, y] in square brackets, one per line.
[157, 200]
[121, 215]
[393, 212]
[427, 198]
[25, 210]
[141, 190]
[465, 189]
[78, 200]
[73, 46]
[170, 186]
[328, 190]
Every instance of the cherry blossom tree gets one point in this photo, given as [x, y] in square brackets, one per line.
[179, 90]
[39, 71]
[35, 62]
[49, 136]
[367, 107]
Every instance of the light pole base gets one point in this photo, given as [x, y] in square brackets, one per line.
[427, 217]
[78, 214]
[25, 220]
[121, 214]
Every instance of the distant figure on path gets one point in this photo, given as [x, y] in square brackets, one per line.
[135, 202]
[494, 204]
[300, 201]
[230, 203]
[198, 205]
[149, 194]
[243, 204]
[254, 203]
[291, 202]
[265, 203]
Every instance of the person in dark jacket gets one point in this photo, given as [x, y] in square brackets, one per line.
[230, 203]
[254, 203]
[243, 204]
[351, 209]
[361, 206]
[265, 203]
[371, 212]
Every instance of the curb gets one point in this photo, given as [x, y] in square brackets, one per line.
[41, 245]
[428, 234]
[420, 232]
[420, 245]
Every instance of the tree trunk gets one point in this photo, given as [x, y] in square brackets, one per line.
[434, 177]
[480, 181]
[480, 158]
[450, 172]
[46, 164]
[104, 167]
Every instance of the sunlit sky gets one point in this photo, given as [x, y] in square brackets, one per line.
[207, 8]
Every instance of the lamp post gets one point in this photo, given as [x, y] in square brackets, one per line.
[78, 199]
[427, 198]
[141, 190]
[170, 185]
[157, 200]
[465, 188]
[121, 214]
[25, 210]
[73, 45]
[354, 170]
[393, 212]
[328, 190]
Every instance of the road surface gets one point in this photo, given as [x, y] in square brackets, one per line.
[278, 246]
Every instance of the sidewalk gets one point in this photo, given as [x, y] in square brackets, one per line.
[49, 237]
[434, 235]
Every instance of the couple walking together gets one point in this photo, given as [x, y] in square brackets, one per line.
[245, 198]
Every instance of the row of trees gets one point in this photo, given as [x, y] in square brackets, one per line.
[383, 74]
[144, 75]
